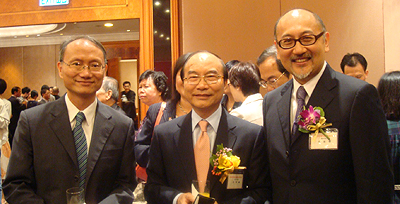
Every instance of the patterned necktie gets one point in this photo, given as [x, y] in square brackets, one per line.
[81, 147]
[202, 155]
[300, 99]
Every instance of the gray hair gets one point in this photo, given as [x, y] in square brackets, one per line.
[110, 83]
[85, 37]
[269, 52]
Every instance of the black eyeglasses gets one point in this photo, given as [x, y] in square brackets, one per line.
[305, 40]
[94, 66]
[270, 82]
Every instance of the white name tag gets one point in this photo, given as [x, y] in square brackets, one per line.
[235, 181]
[321, 142]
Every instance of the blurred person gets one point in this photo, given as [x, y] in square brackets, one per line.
[5, 116]
[108, 93]
[25, 94]
[159, 113]
[227, 100]
[355, 65]
[272, 72]
[153, 87]
[244, 80]
[128, 104]
[16, 108]
[180, 149]
[75, 141]
[52, 98]
[389, 93]
[55, 91]
[351, 162]
[45, 93]
[32, 102]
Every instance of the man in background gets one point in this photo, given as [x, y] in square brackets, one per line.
[55, 91]
[355, 65]
[45, 93]
[74, 141]
[128, 101]
[25, 94]
[272, 72]
[108, 93]
[16, 107]
[351, 162]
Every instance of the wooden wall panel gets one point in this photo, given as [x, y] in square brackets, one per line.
[14, 13]
[40, 66]
[11, 68]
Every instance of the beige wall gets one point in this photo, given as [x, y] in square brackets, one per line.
[237, 29]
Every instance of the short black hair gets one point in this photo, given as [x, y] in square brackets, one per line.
[230, 64]
[97, 43]
[45, 87]
[126, 82]
[352, 60]
[246, 76]
[26, 90]
[3, 85]
[160, 82]
[15, 89]
[389, 93]
[34, 93]
[43, 91]
[180, 62]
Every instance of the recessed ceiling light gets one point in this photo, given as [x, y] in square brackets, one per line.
[155, 32]
[128, 30]
[162, 35]
[167, 38]
[61, 34]
[108, 25]
[167, 11]
[157, 3]
[38, 35]
[27, 36]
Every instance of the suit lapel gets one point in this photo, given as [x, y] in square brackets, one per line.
[225, 136]
[284, 111]
[322, 94]
[61, 127]
[102, 129]
[184, 147]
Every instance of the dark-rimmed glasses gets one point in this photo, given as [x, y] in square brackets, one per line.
[305, 40]
[270, 82]
[209, 79]
[94, 66]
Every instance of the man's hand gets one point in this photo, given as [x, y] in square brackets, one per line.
[186, 198]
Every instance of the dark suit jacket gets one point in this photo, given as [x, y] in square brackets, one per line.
[16, 109]
[358, 172]
[172, 168]
[143, 139]
[43, 163]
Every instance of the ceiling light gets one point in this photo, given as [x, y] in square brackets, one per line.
[167, 38]
[61, 34]
[27, 36]
[155, 32]
[162, 35]
[128, 30]
[38, 35]
[108, 25]
[157, 3]
[167, 11]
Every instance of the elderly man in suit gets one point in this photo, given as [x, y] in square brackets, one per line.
[353, 166]
[180, 149]
[75, 141]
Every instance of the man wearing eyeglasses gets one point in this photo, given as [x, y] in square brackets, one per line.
[75, 141]
[272, 72]
[181, 148]
[348, 161]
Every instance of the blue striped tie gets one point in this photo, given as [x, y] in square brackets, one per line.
[81, 147]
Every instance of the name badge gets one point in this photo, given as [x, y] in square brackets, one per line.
[324, 142]
[235, 181]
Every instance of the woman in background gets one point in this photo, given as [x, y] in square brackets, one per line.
[176, 107]
[389, 93]
[227, 100]
[244, 80]
[153, 87]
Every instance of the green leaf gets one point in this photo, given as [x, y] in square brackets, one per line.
[321, 111]
[303, 130]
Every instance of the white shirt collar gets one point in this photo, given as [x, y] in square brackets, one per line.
[89, 112]
[308, 86]
[213, 119]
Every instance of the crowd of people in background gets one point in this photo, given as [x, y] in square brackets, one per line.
[256, 110]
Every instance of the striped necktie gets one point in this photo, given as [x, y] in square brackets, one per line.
[81, 147]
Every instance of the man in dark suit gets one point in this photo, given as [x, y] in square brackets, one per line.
[355, 170]
[44, 164]
[16, 106]
[174, 162]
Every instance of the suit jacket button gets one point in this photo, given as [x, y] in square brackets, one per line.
[76, 178]
[293, 183]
